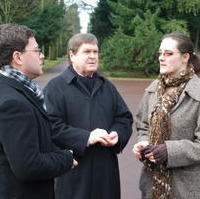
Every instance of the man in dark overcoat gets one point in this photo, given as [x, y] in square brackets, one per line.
[28, 159]
[93, 121]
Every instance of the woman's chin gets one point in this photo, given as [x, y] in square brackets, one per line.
[163, 71]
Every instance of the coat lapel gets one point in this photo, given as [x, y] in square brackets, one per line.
[181, 98]
[82, 87]
[68, 75]
[97, 85]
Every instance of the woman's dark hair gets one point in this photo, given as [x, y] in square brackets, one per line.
[185, 45]
[13, 37]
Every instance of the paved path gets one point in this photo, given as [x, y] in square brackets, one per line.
[132, 92]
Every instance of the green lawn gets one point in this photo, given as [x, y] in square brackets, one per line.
[127, 75]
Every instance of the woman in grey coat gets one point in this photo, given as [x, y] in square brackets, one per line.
[168, 124]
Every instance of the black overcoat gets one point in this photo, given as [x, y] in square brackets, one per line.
[75, 113]
[28, 160]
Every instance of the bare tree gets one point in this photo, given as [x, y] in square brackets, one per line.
[11, 10]
[82, 4]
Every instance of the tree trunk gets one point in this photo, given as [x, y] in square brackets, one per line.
[197, 39]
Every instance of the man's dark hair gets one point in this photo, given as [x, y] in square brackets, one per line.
[13, 37]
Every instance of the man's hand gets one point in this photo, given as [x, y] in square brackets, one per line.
[75, 163]
[112, 139]
[98, 135]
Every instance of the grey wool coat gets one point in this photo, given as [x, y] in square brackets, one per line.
[183, 147]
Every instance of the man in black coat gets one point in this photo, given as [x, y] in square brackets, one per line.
[28, 159]
[91, 118]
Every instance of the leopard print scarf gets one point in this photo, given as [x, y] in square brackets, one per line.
[159, 123]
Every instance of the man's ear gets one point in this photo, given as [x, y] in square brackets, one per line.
[71, 54]
[16, 58]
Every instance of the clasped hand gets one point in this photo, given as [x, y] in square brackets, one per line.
[154, 153]
[103, 137]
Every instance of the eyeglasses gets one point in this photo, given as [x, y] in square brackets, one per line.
[38, 50]
[165, 53]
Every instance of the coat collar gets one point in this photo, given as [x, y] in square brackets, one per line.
[25, 91]
[192, 88]
[69, 77]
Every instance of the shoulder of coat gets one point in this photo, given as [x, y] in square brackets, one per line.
[65, 77]
[152, 87]
[193, 88]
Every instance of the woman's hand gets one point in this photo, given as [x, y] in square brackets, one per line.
[138, 147]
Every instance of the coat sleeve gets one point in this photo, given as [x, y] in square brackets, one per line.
[185, 152]
[19, 137]
[141, 123]
[64, 135]
[122, 121]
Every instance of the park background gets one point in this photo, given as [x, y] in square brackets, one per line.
[129, 34]
[129, 31]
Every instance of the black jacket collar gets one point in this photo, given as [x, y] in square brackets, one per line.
[25, 91]
[69, 76]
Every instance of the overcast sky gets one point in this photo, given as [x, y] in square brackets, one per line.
[84, 15]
